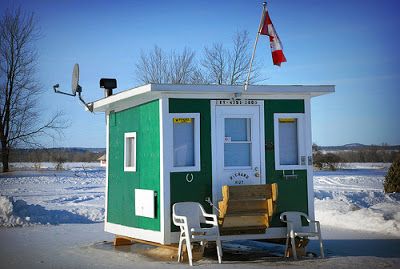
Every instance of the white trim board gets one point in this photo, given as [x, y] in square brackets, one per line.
[310, 170]
[153, 91]
[165, 168]
[148, 235]
[107, 164]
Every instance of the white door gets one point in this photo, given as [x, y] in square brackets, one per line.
[238, 147]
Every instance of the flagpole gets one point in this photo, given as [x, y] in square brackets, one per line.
[246, 84]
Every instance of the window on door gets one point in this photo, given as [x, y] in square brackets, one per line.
[237, 143]
[186, 142]
[289, 141]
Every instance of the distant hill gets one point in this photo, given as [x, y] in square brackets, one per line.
[80, 149]
[356, 152]
[358, 146]
[74, 154]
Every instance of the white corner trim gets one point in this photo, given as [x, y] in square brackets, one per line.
[165, 199]
[263, 168]
[137, 233]
[213, 104]
[126, 167]
[310, 170]
[107, 164]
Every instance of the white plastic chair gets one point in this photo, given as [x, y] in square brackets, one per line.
[188, 216]
[295, 228]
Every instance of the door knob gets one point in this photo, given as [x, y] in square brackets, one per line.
[257, 172]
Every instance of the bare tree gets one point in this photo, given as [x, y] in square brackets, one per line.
[157, 66]
[215, 63]
[224, 66]
[152, 66]
[181, 66]
[219, 65]
[20, 115]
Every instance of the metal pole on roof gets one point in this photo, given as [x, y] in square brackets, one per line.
[246, 84]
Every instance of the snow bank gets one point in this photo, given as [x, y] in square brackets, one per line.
[51, 165]
[7, 217]
[354, 199]
[19, 213]
[341, 212]
[364, 165]
[53, 197]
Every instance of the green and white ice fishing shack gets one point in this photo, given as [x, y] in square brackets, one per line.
[172, 143]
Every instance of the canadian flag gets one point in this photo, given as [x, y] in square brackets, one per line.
[267, 28]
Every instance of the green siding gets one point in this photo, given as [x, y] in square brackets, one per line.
[144, 120]
[201, 186]
[292, 193]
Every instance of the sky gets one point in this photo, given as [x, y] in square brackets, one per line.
[352, 44]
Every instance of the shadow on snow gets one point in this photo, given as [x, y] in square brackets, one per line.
[39, 214]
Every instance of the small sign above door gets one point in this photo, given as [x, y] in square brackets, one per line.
[182, 120]
[237, 102]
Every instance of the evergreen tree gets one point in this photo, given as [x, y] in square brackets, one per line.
[392, 179]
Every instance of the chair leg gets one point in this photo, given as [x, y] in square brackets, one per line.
[189, 250]
[180, 248]
[321, 247]
[286, 247]
[293, 243]
[219, 250]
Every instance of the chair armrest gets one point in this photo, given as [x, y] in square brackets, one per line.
[214, 218]
[305, 216]
[317, 225]
[179, 220]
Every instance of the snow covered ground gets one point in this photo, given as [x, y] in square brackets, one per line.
[353, 198]
[48, 196]
[361, 224]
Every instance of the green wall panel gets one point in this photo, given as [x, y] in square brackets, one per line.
[292, 193]
[144, 120]
[201, 186]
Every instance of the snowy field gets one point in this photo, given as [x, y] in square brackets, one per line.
[353, 198]
[52, 219]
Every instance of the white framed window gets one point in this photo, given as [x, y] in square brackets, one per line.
[130, 152]
[289, 142]
[186, 142]
[237, 142]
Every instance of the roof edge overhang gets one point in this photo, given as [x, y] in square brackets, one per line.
[149, 92]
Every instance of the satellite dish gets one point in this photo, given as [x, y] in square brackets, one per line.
[75, 80]
[75, 88]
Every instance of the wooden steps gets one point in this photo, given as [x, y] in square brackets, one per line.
[247, 209]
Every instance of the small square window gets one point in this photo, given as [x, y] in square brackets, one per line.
[130, 152]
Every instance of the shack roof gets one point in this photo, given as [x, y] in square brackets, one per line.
[149, 92]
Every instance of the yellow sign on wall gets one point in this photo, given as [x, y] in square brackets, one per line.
[182, 120]
[287, 120]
